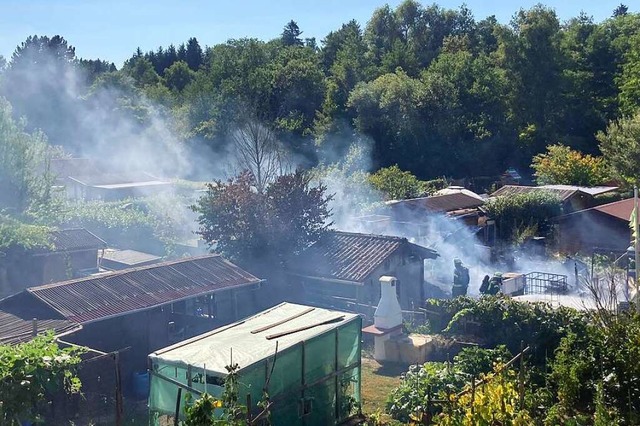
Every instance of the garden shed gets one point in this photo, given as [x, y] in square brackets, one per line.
[306, 358]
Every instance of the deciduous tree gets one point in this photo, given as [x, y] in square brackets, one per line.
[562, 165]
[252, 228]
[397, 184]
[620, 146]
[258, 151]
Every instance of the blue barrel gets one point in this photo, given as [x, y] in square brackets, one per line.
[141, 384]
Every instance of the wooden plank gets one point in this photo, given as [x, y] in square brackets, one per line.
[275, 324]
[307, 327]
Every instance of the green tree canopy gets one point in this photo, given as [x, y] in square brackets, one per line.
[620, 145]
[24, 164]
[250, 227]
[178, 76]
[291, 34]
[565, 166]
[396, 184]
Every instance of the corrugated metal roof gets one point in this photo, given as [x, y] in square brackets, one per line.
[93, 298]
[619, 209]
[591, 190]
[75, 239]
[14, 329]
[563, 191]
[441, 203]
[129, 257]
[16, 319]
[350, 256]
[511, 190]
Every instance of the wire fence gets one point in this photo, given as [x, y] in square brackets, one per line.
[101, 400]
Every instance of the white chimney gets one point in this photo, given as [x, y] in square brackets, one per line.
[388, 313]
[388, 317]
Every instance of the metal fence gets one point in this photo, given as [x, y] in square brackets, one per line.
[545, 283]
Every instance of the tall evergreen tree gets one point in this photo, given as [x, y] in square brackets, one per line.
[193, 54]
[291, 34]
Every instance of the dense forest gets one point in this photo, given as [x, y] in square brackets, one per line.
[433, 90]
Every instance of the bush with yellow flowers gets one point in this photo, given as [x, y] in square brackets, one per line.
[494, 402]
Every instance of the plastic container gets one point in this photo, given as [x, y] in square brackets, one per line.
[141, 384]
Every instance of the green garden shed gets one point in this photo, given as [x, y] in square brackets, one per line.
[310, 355]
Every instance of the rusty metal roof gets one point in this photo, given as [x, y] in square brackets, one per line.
[75, 239]
[440, 203]
[94, 298]
[619, 209]
[351, 257]
[16, 319]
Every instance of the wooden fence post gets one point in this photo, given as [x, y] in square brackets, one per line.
[521, 376]
[119, 407]
[473, 393]
[176, 419]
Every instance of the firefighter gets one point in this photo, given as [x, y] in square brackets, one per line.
[460, 279]
[495, 284]
[485, 285]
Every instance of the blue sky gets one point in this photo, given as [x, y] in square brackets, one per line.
[113, 29]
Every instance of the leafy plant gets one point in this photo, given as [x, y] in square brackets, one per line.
[494, 403]
[30, 372]
[475, 360]
[435, 379]
[14, 233]
[515, 213]
[202, 411]
[145, 225]
[511, 322]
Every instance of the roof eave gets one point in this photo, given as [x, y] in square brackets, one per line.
[148, 308]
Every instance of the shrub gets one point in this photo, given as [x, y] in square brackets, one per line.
[440, 380]
[475, 361]
[500, 320]
[31, 371]
[437, 379]
[532, 210]
[495, 403]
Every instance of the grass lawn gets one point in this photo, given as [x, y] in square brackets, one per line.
[377, 382]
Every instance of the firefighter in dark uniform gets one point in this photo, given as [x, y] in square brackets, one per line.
[460, 279]
[495, 285]
[484, 287]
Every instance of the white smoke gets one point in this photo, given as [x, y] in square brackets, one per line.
[358, 207]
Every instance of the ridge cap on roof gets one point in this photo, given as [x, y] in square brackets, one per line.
[77, 229]
[366, 235]
[32, 290]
